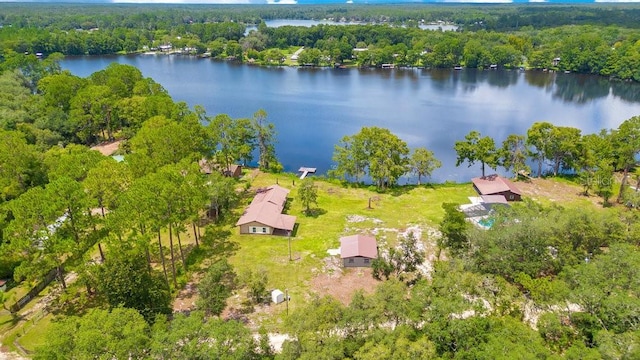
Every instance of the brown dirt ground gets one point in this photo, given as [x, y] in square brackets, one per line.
[186, 299]
[335, 281]
[107, 149]
[341, 283]
[555, 191]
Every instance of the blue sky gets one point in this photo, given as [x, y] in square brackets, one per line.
[285, 2]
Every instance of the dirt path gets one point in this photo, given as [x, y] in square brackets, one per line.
[10, 355]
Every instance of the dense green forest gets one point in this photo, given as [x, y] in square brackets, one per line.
[545, 281]
[489, 17]
[580, 39]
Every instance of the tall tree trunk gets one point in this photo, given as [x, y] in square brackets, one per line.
[73, 226]
[173, 259]
[184, 263]
[61, 276]
[540, 167]
[482, 168]
[195, 233]
[101, 251]
[93, 223]
[109, 131]
[146, 249]
[101, 207]
[623, 183]
[164, 267]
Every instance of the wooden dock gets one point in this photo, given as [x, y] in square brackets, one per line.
[305, 171]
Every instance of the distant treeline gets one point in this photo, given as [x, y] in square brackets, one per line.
[538, 37]
[489, 17]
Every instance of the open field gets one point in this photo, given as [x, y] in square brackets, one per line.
[557, 191]
[340, 211]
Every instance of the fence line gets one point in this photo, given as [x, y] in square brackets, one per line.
[34, 291]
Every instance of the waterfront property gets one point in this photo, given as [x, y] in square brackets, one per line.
[358, 250]
[264, 215]
[497, 185]
[233, 170]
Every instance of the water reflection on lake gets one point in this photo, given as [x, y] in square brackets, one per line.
[313, 108]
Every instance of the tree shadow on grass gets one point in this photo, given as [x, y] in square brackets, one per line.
[314, 213]
[12, 320]
[218, 243]
[398, 190]
[196, 254]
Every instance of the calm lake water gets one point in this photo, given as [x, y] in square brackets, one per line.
[309, 23]
[313, 108]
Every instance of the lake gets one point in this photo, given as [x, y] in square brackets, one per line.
[313, 108]
[308, 23]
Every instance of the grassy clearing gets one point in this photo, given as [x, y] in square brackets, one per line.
[33, 333]
[288, 53]
[13, 328]
[563, 191]
[396, 210]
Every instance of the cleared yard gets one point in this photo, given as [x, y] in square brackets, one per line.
[340, 211]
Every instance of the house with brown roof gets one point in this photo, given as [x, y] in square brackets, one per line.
[208, 167]
[264, 215]
[497, 185]
[358, 250]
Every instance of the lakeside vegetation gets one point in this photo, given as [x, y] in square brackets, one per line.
[580, 39]
[130, 242]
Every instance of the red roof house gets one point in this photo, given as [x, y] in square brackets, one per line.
[497, 185]
[358, 250]
[264, 214]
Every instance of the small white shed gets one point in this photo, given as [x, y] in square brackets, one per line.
[277, 296]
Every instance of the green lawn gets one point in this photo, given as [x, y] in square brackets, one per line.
[14, 329]
[408, 206]
[33, 334]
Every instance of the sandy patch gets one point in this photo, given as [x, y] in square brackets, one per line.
[10, 356]
[341, 283]
[360, 218]
[107, 149]
[554, 191]
[186, 299]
